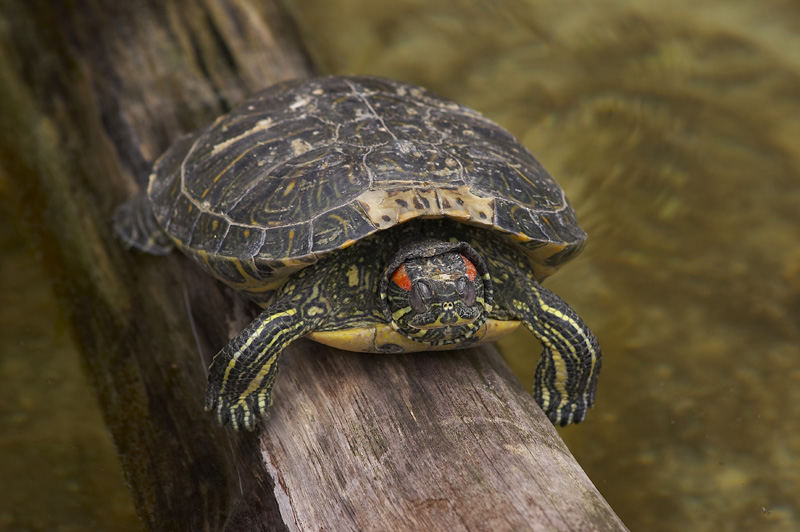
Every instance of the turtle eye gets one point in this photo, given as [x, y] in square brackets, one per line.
[461, 285]
[424, 290]
[421, 295]
[469, 295]
[466, 290]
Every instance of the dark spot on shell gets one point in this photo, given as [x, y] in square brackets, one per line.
[417, 204]
[445, 203]
[386, 218]
[402, 203]
[482, 215]
[460, 201]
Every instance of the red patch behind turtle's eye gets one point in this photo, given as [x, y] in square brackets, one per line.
[472, 273]
[400, 278]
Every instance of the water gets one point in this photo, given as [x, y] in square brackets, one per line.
[674, 132]
[58, 467]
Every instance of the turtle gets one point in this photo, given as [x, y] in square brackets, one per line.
[370, 215]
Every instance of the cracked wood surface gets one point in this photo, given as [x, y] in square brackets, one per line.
[95, 90]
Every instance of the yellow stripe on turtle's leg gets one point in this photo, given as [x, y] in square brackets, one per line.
[242, 374]
[566, 375]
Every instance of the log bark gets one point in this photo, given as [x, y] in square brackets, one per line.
[92, 92]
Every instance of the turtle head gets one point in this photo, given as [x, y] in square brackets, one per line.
[437, 292]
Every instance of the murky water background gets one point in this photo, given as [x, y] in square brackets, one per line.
[676, 134]
[58, 468]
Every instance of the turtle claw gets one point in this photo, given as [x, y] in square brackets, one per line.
[571, 412]
[244, 413]
[564, 397]
[241, 417]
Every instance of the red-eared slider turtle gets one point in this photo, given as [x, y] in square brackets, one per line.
[369, 215]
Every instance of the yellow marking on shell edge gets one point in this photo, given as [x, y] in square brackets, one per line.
[385, 208]
[538, 257]
[352, 275]
[367, 339]
[239, 268]
[250, 283]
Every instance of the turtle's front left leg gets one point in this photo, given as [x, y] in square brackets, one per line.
[242, 374]
[566, 375]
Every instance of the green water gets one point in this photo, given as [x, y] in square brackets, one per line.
[675, 133]
[58, 468]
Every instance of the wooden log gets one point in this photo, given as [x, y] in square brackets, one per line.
[446, 441]
[93, 92]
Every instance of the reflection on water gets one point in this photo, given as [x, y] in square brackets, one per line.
[675, 134]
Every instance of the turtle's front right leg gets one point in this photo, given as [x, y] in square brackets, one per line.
[566, 376]
[242, 374]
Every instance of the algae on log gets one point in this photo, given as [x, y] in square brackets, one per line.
[92, 92]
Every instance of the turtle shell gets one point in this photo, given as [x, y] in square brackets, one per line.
[306, 167]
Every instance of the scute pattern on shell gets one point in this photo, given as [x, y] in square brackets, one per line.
[308, 166]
